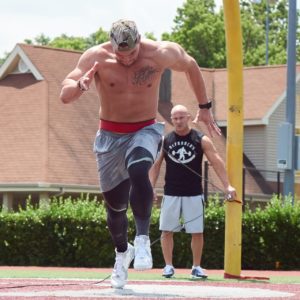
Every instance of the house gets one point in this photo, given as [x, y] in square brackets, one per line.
[264, 110]
[46, 146]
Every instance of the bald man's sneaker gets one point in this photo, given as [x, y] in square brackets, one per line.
[168, 271]
[198, 273]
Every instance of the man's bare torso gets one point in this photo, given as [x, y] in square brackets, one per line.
[128, 93]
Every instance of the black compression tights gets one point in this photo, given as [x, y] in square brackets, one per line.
[139, 190]
[116, 207]
[141, 196]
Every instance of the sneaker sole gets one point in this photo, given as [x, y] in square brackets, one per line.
[198, 277]
[168, 276]
[117, 286]
[138, 268]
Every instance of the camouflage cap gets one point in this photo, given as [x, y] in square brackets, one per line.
[124, 35]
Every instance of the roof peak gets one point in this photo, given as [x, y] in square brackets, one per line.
[22, 45]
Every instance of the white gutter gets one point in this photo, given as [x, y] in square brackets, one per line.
[48, 187]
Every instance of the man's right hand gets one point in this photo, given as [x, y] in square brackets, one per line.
[85, 81]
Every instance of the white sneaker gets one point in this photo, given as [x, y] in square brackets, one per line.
[143, 257]
[120, 272]
[198, 273]
[168, 271]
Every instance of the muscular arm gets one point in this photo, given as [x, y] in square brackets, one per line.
[179, 60]
[154, 171]
[218, 164]
[186, 63]
[84, 71]
[70, 90]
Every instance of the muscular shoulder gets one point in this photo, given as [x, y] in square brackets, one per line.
[206, 143]
[173, 56]
[163, 52]
[167, 47]
[98, 53]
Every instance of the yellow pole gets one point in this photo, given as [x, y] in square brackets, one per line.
[234, 158]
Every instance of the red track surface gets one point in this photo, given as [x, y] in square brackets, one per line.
[266, 273]
[12, 289]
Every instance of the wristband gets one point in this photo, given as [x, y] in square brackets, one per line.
[80, 86]
[207, 105]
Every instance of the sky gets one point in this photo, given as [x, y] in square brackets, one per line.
[20, 19]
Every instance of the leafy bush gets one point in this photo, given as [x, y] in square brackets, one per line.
[70, 233]
[73, 232]
[214, 231]
[271, 237]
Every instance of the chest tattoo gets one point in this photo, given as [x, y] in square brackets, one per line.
[143, 75]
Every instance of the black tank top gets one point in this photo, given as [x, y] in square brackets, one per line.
[183, 153]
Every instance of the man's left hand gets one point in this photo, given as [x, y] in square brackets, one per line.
[205, 116]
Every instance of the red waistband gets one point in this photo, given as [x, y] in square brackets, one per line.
[124, 127]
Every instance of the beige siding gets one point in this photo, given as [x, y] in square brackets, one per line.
[298, 105]
[275, 119]
[260, 142]
[297, 174]
[254, 140]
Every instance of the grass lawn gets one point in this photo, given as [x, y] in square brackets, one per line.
[100, 274]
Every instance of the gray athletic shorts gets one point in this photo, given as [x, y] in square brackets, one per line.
[177, 211]
[112, 150]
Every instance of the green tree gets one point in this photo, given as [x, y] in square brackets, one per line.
[42, 40]
[98, 37]
[71, 42]
[166, 36]
[254, 15]
[66, 42]
[200, 30]
[150, 35]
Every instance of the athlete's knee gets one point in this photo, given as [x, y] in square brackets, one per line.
[116, 200]
[117, 223]
[116, 216]
[116, 208]
[139, 157]
[139, 173]
[139, 163]
[141, 194]
[141, 191]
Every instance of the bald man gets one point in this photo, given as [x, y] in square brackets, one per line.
[183, 151]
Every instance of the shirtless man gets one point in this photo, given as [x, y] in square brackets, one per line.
[126, 71]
